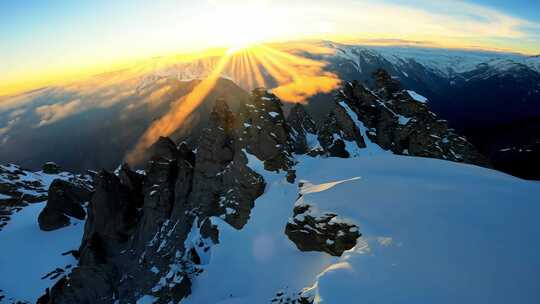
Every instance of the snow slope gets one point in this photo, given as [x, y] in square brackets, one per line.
[27, 254]
[433, 232]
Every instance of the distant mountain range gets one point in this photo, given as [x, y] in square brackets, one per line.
[484, 95]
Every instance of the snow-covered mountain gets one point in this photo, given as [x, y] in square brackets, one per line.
[383, 202]
[444, 62]
[490, 97]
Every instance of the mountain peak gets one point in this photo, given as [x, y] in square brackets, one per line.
[154, 233]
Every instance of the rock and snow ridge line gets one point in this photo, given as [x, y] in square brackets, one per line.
[142, 232]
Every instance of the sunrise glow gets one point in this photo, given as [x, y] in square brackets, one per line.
[142, 30]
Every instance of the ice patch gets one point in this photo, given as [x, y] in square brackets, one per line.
[417, 96]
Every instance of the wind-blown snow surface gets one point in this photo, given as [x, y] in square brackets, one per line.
[433, 232]
[27, 254]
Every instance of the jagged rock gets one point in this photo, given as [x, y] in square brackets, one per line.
[338, 129]
[302, 128]
[158, 190]
[131, 248]
[112, 217]
[264, 131]
[44, 299]
[210, 231]
[19, 187]
[397, 122]
[163, 148]
[86, 285]
[64, 201]
[223, 185]
[283, 297]
[325, 232]
[385, 83]
[134, 182]
[51, 168]
[49, 220]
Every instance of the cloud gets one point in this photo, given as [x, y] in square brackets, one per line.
[10, 124]
[49, 114]
[14, 117]
[455, 23]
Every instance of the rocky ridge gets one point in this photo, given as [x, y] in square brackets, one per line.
[398, 122]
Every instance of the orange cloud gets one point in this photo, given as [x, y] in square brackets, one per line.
[302, 88]
[52, 113]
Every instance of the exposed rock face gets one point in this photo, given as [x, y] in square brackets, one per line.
[149, 234]
[397, 122]
[163, 148]
[19, 187]
[51, 168]
[303, 129]
[338, 129]
[283, 297]
[223, 185]
[111, 219]
[265, 133]
[64, 201]
[324, 232]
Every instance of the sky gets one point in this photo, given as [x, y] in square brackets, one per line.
[43, 41]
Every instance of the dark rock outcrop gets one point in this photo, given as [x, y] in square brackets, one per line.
[324, 232]
[338, 129]
[112, 220]
[303, 129]
[140, 233]
[163, 148]
[19, 187]
[65, 200]
[264, 131]
[112, 217]
[399, 123]
[51, 168]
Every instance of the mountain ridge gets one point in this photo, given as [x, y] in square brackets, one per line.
[151, 233]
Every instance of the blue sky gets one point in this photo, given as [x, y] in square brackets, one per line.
[529, 9]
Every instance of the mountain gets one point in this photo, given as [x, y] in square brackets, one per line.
[484, 96]
[382, 202]
[479, 93]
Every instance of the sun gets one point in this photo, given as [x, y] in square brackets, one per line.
[240, 26]
[242, 29]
